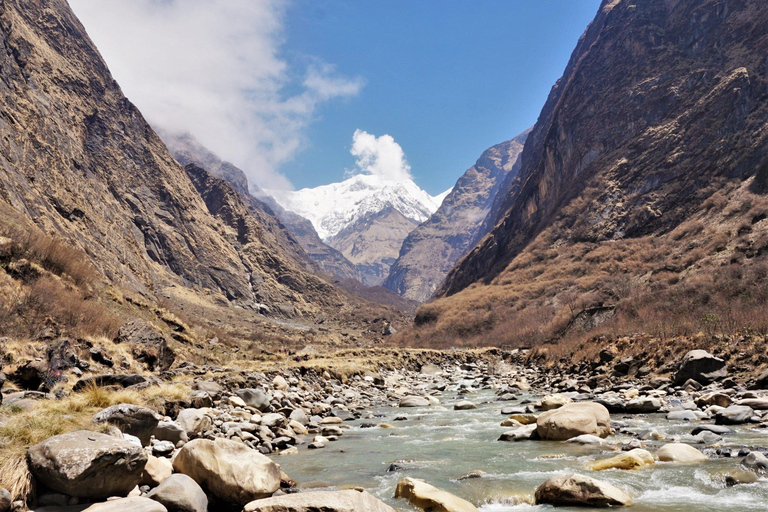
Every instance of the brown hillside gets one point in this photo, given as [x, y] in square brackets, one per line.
[639, 204]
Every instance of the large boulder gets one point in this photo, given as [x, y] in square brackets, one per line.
[148, 345]
[581, 491]
[325, 501]
[194, 421]
[87, 464]
[429, 498]
[680, 452]
[131, 419]
[573, 420]
[414, 401]
[229, 470]
[180, 493]
[131, 504]
[700, 366]
[257, 398]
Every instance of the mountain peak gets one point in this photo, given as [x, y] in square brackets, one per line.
[334, 207]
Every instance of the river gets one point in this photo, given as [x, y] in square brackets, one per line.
[440, 445]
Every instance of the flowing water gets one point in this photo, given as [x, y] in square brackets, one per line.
[440, 445]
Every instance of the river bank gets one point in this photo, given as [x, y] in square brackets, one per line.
[441, 417]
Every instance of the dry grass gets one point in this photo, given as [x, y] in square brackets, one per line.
[709, 274]
[21, 428]
[44, 279]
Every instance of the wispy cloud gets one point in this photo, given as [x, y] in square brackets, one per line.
[380, 156]
[213, 68]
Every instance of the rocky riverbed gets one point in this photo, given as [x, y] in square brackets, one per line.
[449, 436]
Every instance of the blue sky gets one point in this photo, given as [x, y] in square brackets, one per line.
[279, 87]
[446, 79]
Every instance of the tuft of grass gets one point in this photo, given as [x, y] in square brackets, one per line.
[22, 428]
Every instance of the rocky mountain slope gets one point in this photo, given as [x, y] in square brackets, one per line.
[431, 250]
[186, 150]
[640, 197]
[79, 161]
[365, 217]
[373, 242]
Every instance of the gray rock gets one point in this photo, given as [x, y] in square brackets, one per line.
[214, 389]
[325, 501]
[131, 419]
[715, 429]
[132, 504]
[643, 405]
[464, 405]
[163, 448]
[523, 433]
[180, 493]
[682, 416]
[582, 491]
[257, 398]
[299, 416]
[734, 415]
[194, 421]
[87, 464]
[702, 367]
[170, 431]
[756, 461]
[414, 401]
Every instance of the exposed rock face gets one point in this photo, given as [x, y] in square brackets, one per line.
[327, 501]
[578, 490]
[700, 366]
[231, 471]
[149, 346]
[373, 242]
[433, 248]
[187, 151]
[98, 175]
[656, 121]
[87, 464]
[275, 277]
[81, 162]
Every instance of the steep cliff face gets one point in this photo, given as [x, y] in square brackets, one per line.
[432, 249]
[295, 230]
[652, 142]
[278, 280]
[79, 160]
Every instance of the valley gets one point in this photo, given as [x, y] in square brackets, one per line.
[578, 322]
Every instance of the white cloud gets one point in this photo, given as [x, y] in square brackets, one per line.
[213, 68]
[380, 156]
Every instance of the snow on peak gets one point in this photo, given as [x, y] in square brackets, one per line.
[331, 208]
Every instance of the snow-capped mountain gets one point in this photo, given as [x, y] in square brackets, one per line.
[332, 208]
[365, 217]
